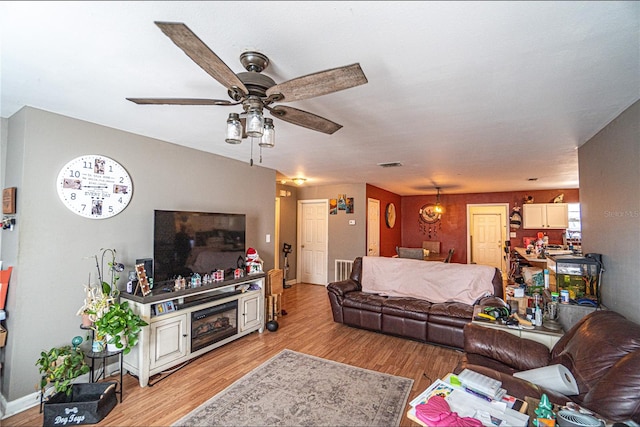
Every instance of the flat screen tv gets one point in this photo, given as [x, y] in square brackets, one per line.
[186, 242]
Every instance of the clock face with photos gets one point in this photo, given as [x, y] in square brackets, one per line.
[94, 186]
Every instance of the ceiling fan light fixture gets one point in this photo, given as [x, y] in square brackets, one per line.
[255, 123]
[234, 129]
[268, 135]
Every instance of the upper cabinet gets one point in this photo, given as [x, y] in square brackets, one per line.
[545, 215]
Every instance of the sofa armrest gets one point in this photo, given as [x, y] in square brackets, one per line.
[343, 287]
[518, 353]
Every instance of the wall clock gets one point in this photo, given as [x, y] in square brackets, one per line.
[390, 215]
[428, 214]
[94, 186]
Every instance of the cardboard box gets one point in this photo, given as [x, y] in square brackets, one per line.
[3, 336]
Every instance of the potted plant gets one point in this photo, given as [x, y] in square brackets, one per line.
[59, 366]
[96, 303]
[80, 403]
[120, 325]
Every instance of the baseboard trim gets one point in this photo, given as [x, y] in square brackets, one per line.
[21, 404]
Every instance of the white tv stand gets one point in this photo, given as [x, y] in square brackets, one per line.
[166, 341]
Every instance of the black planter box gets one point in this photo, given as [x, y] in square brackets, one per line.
[87, 404]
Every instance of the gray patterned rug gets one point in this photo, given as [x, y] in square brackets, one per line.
[295, 389]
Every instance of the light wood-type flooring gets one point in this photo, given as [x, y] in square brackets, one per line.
[308, 327]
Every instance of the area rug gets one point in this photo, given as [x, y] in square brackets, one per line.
[296, 389]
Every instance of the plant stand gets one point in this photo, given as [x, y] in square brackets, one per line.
[87, 404]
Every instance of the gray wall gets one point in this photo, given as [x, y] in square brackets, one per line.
[51, 248]
[610, 208]
[345, 241]
[288, 226]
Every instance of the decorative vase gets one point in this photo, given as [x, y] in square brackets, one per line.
[86, 321]
[98, 344]
[113, 347]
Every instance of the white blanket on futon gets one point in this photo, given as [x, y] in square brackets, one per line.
[432, 281]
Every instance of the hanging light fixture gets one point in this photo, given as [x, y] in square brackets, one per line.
[234, 129]
[268, 134]
[299, 181]
[255, 118]
[438, 207]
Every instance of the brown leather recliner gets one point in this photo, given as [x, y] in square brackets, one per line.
[602, 351]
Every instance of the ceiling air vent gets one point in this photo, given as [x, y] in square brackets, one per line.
[390, 164]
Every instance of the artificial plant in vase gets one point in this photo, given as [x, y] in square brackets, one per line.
[98, 298]
[121, 325]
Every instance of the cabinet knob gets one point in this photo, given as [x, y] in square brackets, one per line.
[184, 335]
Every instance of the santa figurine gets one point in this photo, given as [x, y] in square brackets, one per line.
[253, 262]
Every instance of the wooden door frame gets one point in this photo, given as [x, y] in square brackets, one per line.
[504, 210]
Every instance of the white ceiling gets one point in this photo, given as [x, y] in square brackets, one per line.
[468, 96]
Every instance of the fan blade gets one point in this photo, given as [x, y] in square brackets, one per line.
[181, 101]
[320, 83]
[200, 53]
[304, 119]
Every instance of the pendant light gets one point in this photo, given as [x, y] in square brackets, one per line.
[438, 207]
[268, 135]
[255, 123]
[234, 129]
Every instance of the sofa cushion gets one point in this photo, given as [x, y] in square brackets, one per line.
[364, 301]
[616, 394]
[410, 308]
[456, 310]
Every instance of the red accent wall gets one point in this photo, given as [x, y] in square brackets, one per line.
[389, 237]
[451, 231]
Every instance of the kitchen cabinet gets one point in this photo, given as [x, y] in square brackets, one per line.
[545, 215]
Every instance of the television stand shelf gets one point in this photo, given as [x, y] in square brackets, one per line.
[187, 323]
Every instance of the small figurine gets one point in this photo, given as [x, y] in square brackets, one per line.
[544, 411]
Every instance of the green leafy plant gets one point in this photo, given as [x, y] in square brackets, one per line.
[120, 321]
[59, 366]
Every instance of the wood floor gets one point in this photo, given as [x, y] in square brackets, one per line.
[307, 328]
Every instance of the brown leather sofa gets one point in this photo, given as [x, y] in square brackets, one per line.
[602, 351]
[413, 318]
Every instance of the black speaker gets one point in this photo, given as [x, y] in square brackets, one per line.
[148, 268]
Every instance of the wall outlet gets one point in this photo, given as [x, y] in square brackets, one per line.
[352, 222]
[512, 234]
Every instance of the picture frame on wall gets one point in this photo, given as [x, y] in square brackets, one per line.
[333, 206]
[349, 205]
[342, 202]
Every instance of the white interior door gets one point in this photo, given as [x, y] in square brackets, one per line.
[486, 244]
[487, 228]
[373, 227]
[313, 241]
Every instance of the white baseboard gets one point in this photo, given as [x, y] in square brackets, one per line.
[21, 404]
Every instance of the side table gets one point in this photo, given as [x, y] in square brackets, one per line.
[104, 355]
[540, 334]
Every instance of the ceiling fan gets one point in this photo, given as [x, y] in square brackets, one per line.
[256, 91]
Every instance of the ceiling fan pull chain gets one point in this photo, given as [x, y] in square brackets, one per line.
[251, 160]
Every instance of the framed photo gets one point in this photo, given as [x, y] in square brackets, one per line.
[342, 202]
[333, 206]
[349, 205]
[143, 282]
[9, 200]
